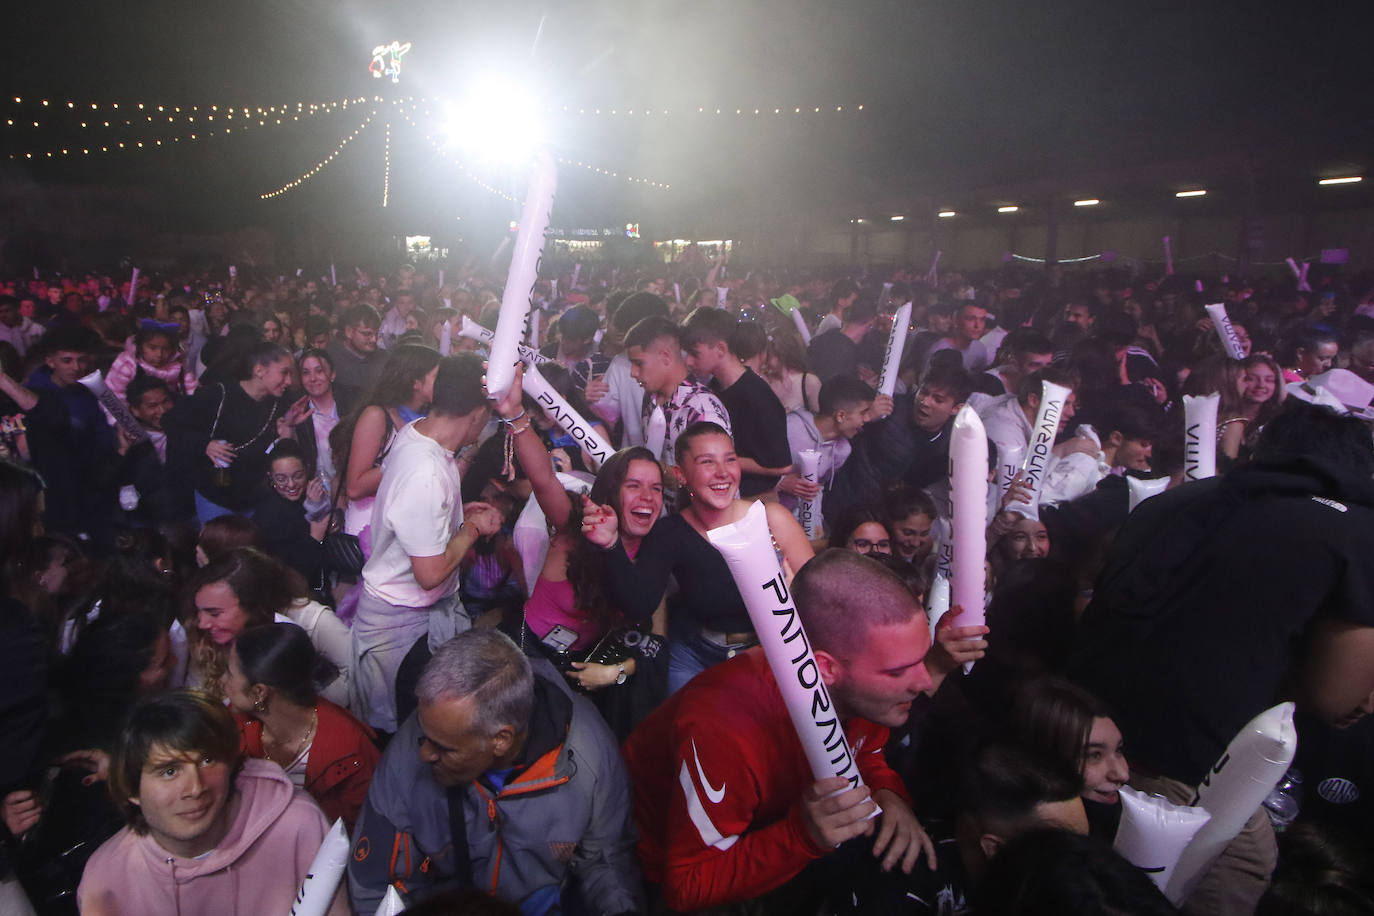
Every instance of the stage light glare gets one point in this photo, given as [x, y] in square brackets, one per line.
[495, 121]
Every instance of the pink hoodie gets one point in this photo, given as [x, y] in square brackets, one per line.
[257, 868]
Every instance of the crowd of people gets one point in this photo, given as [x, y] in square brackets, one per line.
[272, 556]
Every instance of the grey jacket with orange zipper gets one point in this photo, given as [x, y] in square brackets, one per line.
[562, 816]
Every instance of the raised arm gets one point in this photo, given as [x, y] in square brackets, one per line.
[535, 461]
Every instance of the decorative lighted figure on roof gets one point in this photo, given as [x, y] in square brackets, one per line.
[386, 60]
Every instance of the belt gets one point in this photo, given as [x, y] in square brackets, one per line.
[741, 639]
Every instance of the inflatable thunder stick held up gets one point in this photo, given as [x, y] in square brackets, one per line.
[1140, 490]
[95, 384]
[747, 547]
[524, 271]
[800, 321]
[1052, 400]
[1234, 789]
[392, 904]
[896, 342]
[569, 420]
[1009, 461]
[1154, 832]
[322, 878]
[937, 603]
[446, 338]
[808, 510]
[475, 331]
[1200, 436]
[968, 479]
[1226, 332]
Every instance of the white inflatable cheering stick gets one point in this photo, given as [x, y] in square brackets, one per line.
[800, 321]
[896, 342]
[1154, 832]
[392, 904]
[1052, 400]
[1200, 436]
[808, 510]
[937, 603]
[1140, 489]
[322, 879]
[747, 546]
[1234, 789]
[933, 275]
[1300, 274]
[569, 420]
[1225, 330]
[475, 331]
[524, 271]
[1009, 461]
[968, 480]
[95, 384]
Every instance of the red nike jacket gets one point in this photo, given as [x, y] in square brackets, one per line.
[718, 775]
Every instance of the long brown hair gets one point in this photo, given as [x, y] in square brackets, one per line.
[584, 559]
[263, 586]
[1054, 717]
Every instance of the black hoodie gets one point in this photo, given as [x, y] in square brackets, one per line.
[1203, 606]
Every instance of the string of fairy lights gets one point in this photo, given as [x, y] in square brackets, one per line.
[386, 173]
[142, 113]
[121, 125]
[319, 166]
[203, 117]
[730, 110]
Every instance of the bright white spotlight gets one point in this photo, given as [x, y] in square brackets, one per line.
[495, 121]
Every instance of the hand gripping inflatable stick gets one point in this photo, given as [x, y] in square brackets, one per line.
[747, 546]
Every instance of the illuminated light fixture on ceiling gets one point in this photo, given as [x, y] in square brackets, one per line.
[1196, 193]
[1349, 179]
[897, 219]
[1090, 202]
[946, 214]
[1008, 209]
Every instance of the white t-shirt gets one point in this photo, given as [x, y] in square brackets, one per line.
[623, 401]
[419, 507]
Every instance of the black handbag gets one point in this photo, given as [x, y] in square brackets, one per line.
[343, 554]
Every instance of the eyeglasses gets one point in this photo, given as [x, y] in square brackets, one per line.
[283, 479]
[863, 545]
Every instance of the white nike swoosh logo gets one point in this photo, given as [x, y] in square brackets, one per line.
[714, 795]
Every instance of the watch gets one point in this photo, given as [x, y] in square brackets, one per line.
[622, 676]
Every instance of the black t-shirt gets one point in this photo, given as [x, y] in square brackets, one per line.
[832, 354]
[706, 597]
[759, 423]
[1337, 767]
[1198, 616]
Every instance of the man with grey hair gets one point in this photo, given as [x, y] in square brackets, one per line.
[503, 780]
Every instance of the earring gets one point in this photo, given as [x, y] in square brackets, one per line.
[259, 705]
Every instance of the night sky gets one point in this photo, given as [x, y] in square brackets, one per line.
[956, 94]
